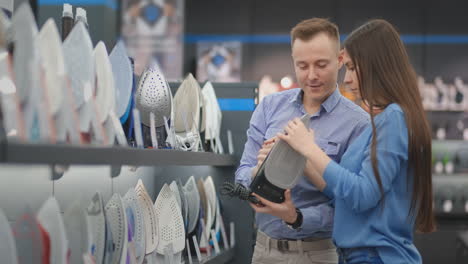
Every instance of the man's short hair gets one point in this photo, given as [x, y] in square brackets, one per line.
[307, 29]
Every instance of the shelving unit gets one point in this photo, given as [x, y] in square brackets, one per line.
[50, 154]
[444, 111]
[26, 153]
[452, 217]
[35, 171]
[455, 178]
[453, 122]
[449, 143]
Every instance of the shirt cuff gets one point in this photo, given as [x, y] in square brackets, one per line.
[330, 175]
[245, 177]
[249, 176]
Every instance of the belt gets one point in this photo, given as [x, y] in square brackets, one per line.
[294, 245]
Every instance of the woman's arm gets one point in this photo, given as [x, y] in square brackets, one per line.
[303, 141]
[360, 190]
[316, 166]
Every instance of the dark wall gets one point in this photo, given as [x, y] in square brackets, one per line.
[256, 17]
[418, 17]
[102, 21]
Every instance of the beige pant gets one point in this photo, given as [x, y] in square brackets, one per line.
[262, 255]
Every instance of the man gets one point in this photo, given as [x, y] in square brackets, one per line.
[299, 230]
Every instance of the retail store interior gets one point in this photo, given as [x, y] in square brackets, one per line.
[122, 121]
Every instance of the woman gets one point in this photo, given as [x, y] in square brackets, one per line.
[383, 186]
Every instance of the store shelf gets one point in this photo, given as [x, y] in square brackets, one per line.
[451, 145]
[449, 141]
[225, 86]
[457, 218]
[444, 111]
[448, 146]
[459, 180]
[24, 153]
[455, 215]
[452, 175]
[223, 257]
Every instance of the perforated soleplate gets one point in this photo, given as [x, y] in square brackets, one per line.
[170, 223]
[7, 245]
[50, 217]
[76, 225]
[25, 61]
[123, 77]
[284, 166]
[105, 87]
[193, 201]
[149, 217]
[115, 214]
[97, 221]
[79, 62]
[154, 96]
[131, 200]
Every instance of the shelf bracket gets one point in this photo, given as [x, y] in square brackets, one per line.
[57, 171]
[115, 170]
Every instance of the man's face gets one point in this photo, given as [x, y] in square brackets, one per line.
[316, 63]
[350, 80]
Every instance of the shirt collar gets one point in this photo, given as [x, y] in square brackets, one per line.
[297, 97]
[327, 105]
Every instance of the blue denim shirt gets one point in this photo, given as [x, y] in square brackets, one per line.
[337, 123]
[360, 220]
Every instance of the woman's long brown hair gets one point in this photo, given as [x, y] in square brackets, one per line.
[385, 76]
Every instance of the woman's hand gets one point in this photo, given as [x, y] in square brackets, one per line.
[302, 140]
[298, 137]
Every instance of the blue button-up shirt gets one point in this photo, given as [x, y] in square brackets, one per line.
[360, 220]
[338, 122]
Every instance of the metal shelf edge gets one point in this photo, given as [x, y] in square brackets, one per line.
[24, 153]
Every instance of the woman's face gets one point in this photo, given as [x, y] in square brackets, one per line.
[350, 80]
[351, 83]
